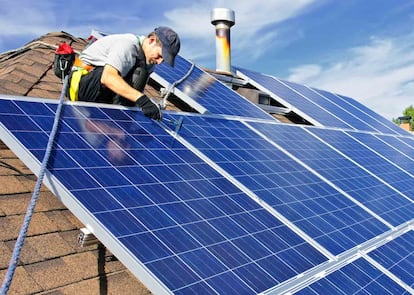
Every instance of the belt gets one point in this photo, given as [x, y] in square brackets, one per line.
[75, 81]
[80, 64]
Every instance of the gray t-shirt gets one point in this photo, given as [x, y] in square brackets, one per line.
[117, 50]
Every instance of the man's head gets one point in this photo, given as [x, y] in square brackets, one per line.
[170, 44]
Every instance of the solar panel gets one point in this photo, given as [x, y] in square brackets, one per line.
[372, 119]
[391, 148]
[397, 257]
[228, 205]
[176, 222]
[404, 144]
[205, 93]
[332, 106]
[278, 91]
[358, 277]
[379, 121]
[392, 207]
[314, 206]
[378, 162]
[409, 141]
[321, 108]
[356, 117]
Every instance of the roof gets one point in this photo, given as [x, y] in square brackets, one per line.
[61, 257]
[51, 249]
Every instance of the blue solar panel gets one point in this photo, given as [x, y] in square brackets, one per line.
[392, 149]
[306, 108]
[317, 208]
[404, 144]
[205, 93]
[176, 222]
[229, 205]
[369, 159]
[321, 107]
[378, 121]
[397, 256]
[367, 189]
[358, 277]
[369, 123]
[330, 106]
[408, 140]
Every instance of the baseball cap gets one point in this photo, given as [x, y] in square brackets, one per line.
[170, 44]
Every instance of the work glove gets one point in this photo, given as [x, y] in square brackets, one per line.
[149, 108]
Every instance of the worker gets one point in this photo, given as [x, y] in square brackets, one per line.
[115, 68]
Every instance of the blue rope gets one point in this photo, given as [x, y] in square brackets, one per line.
[22, 235]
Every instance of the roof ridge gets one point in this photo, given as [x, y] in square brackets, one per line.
[62, 34]
[36, 43]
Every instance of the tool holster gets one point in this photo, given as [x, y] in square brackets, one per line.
[79, 70]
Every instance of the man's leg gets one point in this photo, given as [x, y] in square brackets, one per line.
[91, 89]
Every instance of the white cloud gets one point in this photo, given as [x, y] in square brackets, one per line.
[305, 72]
[251, 16]
[379, 74]
[24, 18]
[248, 35]
[190, 19]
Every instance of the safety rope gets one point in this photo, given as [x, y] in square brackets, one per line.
[22, 235]
[174, 84]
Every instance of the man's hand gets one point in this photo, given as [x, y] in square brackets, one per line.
[149, 108]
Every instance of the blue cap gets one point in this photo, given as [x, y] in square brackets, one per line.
[170, 44]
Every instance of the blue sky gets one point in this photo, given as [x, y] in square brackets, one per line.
[359, 48]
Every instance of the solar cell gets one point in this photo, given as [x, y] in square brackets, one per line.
[383, 201]
[158, 206]
[205, 93]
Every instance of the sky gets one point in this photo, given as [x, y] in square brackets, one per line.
[363, 49]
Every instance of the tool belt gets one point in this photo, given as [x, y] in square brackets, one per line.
[79, 70]
[80, 64]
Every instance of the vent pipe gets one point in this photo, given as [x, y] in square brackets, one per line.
[223, 19]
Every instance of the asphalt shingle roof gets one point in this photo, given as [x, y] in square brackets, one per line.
[51, 261]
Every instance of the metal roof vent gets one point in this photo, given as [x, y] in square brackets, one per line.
[223, 19]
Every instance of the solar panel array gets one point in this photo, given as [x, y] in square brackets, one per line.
[284, 184]
[238, 204]
[203, 92]
[322, 108]
[343, 171]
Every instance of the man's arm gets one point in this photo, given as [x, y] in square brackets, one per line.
[111, 79]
